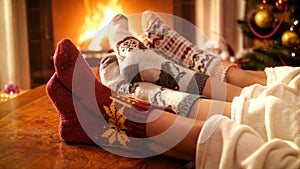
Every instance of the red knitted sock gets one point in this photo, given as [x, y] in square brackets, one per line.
[125, 115]
[81, 126]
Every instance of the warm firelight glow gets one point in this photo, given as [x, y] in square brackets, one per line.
[96, 20]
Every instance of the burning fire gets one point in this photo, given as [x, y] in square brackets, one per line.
[95, 23]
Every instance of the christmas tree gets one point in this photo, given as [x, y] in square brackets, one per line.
[272, 27]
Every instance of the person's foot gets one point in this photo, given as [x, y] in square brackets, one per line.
[180, 102]
[138, 63]
[125, 116]
[161, 37]
[70, 128]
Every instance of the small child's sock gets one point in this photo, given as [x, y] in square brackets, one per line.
[126, 115]
[180, 102]
[137, 63]
[159, 36]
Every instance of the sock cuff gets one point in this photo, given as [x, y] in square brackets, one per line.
[135, 118]
[186, 105]
[200, 80]
[118, 29]
[146, 17]
[141, 105]
[215, 69]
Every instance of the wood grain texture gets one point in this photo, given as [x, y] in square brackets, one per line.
[29, 139]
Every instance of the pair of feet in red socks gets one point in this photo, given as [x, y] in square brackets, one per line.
[91, 113]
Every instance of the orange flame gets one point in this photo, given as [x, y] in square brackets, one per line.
[96, 21]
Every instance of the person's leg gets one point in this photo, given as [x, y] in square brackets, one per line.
[204, 108]
[259, 73]
[190, 128]
[187, 146]
[137, 63]
[157, 120]
[219, 142]
[125, 115]
[242, 78]
[172, 45]
[217, 90]
[185, 149]
[159, 36]
[180, 102]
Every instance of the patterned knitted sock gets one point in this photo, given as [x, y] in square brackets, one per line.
[180, 102]
[80, 125]
[137, 63]
[159, 36]
[126, 116]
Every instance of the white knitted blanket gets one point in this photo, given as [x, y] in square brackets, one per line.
[272, 110]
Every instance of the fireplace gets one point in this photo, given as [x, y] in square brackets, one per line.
[215, 18]
[78, 20]
[33, 28]
[88, 15]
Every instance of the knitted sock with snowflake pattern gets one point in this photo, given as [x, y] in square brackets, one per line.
[180, 102]
[137, 63]
[126, 115]
[79, 125]
[159, 36]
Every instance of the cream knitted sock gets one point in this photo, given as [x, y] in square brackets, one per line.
[159, 36]
[137, 63]
[180, 102]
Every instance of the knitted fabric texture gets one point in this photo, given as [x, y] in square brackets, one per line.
[180, 102]
[137, 63]
[172, 45]
[126, 116]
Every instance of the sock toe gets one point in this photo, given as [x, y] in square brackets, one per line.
[66, 54]
[118, 29]
[65, 58]
[118, 17]
[148, 17]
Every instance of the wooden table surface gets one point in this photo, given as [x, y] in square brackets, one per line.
[29, 139]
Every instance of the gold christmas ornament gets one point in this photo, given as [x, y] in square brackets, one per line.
[290, 39]
[263, 18]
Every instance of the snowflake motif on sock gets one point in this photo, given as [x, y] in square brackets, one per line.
[127, 46]
[116, 120]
